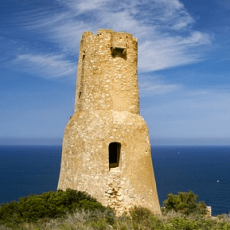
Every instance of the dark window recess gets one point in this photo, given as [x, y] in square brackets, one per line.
[119, 52]
[114, 154]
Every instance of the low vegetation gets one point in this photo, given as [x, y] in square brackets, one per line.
[185, 203]
[77, 210]
[48, 205]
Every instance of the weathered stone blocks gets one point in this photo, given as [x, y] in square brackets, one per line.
[106, 149]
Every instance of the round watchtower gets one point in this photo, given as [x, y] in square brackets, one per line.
[106, 149]
[107, 72]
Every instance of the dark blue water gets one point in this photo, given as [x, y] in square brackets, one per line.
[26, 170]
[204, 170]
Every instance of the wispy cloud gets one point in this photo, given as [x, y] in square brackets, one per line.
[147, 90]
[153, 85]
[49, 66]
[83, 6]
[163, 28]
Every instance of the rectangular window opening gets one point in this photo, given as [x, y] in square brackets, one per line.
[118, 52]
[114, 154]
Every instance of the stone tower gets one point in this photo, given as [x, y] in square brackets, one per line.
[106, 149]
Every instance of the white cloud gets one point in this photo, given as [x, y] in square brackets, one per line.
[151, 22]
[173, 14]
[68, 35]
[149, 86]
[49, 66]
[196, 38]
[82, 6]
[163, 29]
[147, 90]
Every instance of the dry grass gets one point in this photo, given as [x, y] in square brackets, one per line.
[88, 220]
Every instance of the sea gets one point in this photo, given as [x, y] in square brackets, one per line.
[205, 170]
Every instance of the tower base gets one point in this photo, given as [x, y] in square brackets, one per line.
[108, 155]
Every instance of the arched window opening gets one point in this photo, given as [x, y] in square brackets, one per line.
[114, 154]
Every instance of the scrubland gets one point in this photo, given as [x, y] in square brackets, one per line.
[77, 210]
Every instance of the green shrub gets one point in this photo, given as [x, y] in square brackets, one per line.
[186, 203]
[139, 214]
[144, 217]
[85, 213]
[48, 205]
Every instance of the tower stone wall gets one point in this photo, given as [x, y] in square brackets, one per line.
[106, 149]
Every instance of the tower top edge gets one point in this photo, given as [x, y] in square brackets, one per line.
[108, 31]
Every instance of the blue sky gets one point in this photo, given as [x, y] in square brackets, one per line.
[183, 66]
